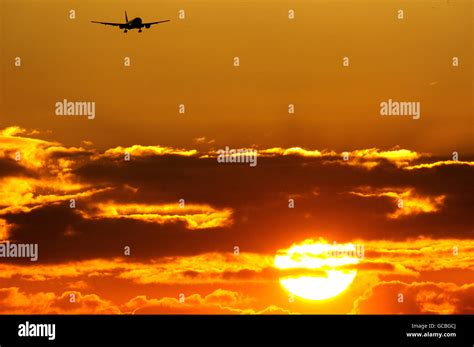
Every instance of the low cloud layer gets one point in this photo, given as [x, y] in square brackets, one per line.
[176, 217]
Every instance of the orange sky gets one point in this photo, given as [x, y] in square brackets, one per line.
[400, 194]
[191, 61]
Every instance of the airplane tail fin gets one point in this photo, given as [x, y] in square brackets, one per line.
[126, 17]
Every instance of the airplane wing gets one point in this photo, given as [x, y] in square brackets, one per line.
[107, 23]
[151, 23]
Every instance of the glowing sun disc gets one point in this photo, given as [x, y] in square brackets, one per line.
[317, 257]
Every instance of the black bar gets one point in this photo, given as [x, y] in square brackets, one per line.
[244, 329]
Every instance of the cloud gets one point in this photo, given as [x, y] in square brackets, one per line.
[67, 270]
[15, 131]
[5, 229]
[195, 216]
[203, 140]
[292, 151]
[219, 301]
[366, 158]
[411, 257]
[422, 254]
[45, 157]
[439, 164]
[46, 177]
[370, 157]
[144, 151]
[14, 301]
[409, 262]
[406, 200]
[83, 304]
[26, 194]
[202, 268]
[230, 205]
[416, 298]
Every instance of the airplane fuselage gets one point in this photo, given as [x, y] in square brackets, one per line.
[135, 23]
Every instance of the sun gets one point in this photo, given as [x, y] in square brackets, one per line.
[317, 270]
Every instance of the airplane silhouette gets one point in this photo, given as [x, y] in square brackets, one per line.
[135, 23]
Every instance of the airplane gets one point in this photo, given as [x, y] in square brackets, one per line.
[135, 23]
